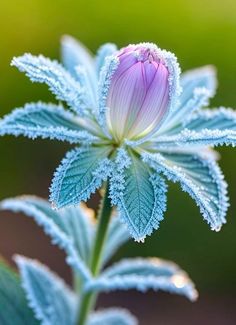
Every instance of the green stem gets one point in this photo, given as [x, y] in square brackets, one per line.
[88, 300]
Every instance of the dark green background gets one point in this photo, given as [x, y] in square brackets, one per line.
[198, 32]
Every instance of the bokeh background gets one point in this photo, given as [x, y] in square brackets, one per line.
[198, 32]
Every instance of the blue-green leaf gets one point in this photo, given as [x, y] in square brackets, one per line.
[203, 77]
[204, 127]
[212, 119]
[198, 100]
[49, 297]
[45, 121]
[142, 267]
[200, 177]
[112, 316]
[81, 172]
[198, 86]
[104, 51]
[14, 309]
[60, 82]
[191, 138]
[75, 54]
[143, 274]
[110, 65]
[139, 194]
[70, 228]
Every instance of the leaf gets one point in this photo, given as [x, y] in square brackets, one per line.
[60, 82]
[80, 227]
[218, 122]
[142, 267]
[212, 119]
[143, 274]
[139, 194]
[104, 51]
[105, 76]
[198, 100]
[191, 138]
[75, 54]
[69, 228]
[198, 86]
[112, 316]
[45, 121]
[81, 172]
[14, 308]
[49, 297]
[203, 77]
[117, 236]
[200, 177]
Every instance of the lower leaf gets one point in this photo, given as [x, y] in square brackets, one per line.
[14, 309]
[51, 300]
[112, 316]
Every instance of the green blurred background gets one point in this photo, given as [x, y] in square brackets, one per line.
[198, 32]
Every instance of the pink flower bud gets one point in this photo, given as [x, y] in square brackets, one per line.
[138, 96]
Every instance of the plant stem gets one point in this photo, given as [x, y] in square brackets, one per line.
[88, 299]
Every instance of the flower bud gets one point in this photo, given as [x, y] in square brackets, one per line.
[138, 96]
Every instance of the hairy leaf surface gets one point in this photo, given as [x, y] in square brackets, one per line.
[60, 82]
[112, 316]
[143, 274]
[81, 172]
[139, 194]
[45, 121]
[13, 304]
[198, 176]
[70, 228]
[52, 301]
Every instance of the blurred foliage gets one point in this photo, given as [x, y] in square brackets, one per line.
[198, 32]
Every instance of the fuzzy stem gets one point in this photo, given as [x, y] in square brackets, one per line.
[88, 299]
